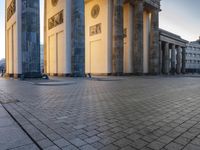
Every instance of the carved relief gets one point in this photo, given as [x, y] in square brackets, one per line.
[55, 20]
[11, 10]
[54, 2]
[95, 11]
[96, 29]
[125, 32]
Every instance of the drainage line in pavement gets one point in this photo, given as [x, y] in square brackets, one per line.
[23, 129]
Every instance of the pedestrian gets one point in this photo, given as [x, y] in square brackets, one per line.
[2, 73]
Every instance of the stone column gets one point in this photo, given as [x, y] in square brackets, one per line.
[154, 43]
[183, 59]
[118, 37]
[45, 37]
[161, 56]
[173, 59]
[78, 38]
[30, 38]
[138, 37]
[178, 58]
[166, 59]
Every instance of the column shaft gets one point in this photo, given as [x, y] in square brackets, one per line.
[154, 44]
[166, 59]
[78, 38]
[178, 58]
[138, 38]
[45, 37]
[183, 59]
[118, 37]
[173, 59]
[160, 56]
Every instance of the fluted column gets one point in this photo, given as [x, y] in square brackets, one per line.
[173, 59]
[138, 37]
[178, 58]
[78, 38]
[154, 43]
[118, 37]
[166, 59]
[183, 60]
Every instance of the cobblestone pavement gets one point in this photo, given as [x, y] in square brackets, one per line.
[127, 113]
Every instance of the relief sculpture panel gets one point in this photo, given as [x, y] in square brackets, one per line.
[96, 29]
[55, 20]
[11, 10]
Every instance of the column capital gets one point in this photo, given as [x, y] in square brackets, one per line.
[166, 43]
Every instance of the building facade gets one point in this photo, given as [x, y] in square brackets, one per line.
[103, 37]
[193, 57]
[172, 53]
[22, 38]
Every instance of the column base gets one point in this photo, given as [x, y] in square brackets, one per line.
[32, 75]
[59, 74]
[8, 75]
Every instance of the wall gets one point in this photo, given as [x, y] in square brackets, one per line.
[98, 47]
[58, 40]
[13, 40]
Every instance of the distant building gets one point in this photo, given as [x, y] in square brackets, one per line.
[172, 53]
[193, 57]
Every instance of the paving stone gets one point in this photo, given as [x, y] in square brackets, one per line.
[97, 145]
[79, 126]
[92, 139]
[45, 143]
[156, 145]
[52, 148]
[61, 143]
[196, 141]
[128, 148]
[122, 142]
[139, 144]
[165, 139]
[87, 147]
[173, 146]
[53, 136]
[110, 147]
[26, 147]
[134, 136]
[191, 147]
[70, 147]
[82, 136]
[92, 133]
[182, 140]
[107, 140]
[78, 142]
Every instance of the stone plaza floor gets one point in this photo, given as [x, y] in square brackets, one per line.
[110, 113]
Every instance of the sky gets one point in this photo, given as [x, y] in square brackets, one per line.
[181, 17]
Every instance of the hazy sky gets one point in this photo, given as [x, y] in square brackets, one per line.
[178, 16]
